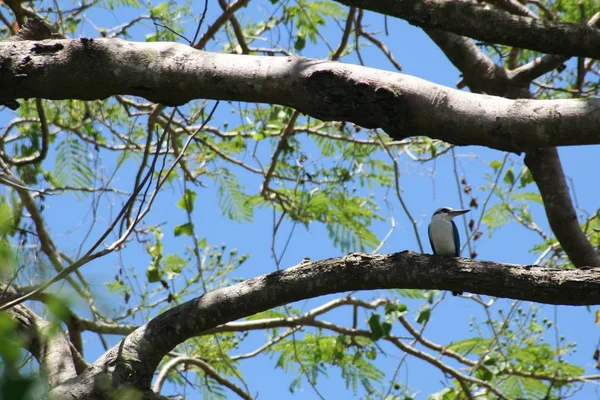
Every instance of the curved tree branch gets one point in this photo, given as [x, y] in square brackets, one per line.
[134, 360]
[208, 370]
[404, 106]
[49, 346]
[489, 25]
[480, 73]
[546, 170]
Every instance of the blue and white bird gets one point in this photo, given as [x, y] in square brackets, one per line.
[443, 235]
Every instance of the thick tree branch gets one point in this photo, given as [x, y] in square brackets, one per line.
[545, 64]
[171, 73]
[546, 170]
[480, 73]
[488, 25]
[134, 360]
[49, 346]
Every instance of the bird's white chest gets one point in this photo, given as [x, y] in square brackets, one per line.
[442, 237]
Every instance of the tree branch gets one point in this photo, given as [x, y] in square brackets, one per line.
[545, 64]
[489, 25]
[208, 370]
[402, 105]
[134, 360]
[547, 172]
[49, 346]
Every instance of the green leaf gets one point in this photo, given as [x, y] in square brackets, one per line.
[159, 9]
[72, 166]
[9, 350]
[173, 264]
[411, 293]
[496, 216]
[433, 149]
[496, 164]
[371, 354]
[509, 177]
[392, 308]
[467, 346]
[393, 312]
[525, 388]
[6, 219]
[494, 365]
[526, 177]
[115, 287]
[387, 328]
[424, 315]
[430, 295]
[58, 307]
[346, 217]
[325, 8]
[15, 386]
[187, 201]
[267, 314]
[300, 43]
[490, 368]
[444, 394]
[234, 203]
[529, 196]
[185, 229]
[340, 347]
[153, 273]
[8, 260]
[375, 326]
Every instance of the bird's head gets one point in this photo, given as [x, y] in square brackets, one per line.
[447, 213]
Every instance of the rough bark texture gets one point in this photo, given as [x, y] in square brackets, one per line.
[402, 105]
[489, 25]
[49, 346]
[133, 361]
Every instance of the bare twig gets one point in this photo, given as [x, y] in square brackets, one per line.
[206, 367]
[346, 34]
[289, 129]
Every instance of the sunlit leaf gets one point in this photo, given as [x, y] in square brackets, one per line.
[184, 229]
[424, 315]
[187, 201]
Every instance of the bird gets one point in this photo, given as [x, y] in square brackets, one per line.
[443, 234]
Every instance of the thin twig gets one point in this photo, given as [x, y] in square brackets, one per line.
[345, 35]
[206, 367]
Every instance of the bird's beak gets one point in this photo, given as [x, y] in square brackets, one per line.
[455, 213]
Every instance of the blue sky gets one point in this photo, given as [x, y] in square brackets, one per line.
[425, 188]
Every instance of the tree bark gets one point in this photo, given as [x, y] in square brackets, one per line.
[471, 19]
[133, 361]
[547, 172]
[50, 347]
[402, 105]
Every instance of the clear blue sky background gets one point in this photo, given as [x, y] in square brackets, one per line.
[424, 188]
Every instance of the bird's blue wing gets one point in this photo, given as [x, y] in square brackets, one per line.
[456, 240]
[430, 241]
